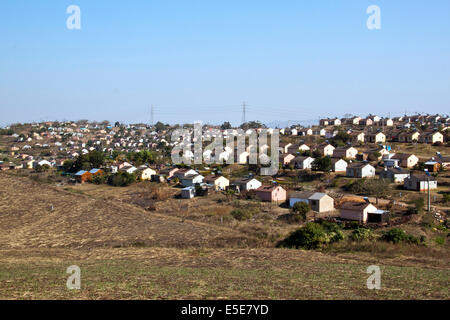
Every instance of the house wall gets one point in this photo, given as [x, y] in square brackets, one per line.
[279, 194]
[367, 171]
[340, 166]
[410, 162]
[352, 215]
[351, 153]
[328, 150]
[147, 174]
[324, 205]
[221, 183]
[264, 195]
[187, 194]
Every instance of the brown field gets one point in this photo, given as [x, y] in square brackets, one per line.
[184, 249]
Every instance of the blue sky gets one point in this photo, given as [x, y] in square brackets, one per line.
[199, 60]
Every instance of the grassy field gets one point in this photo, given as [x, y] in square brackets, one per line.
[183, 250]
[158, 273]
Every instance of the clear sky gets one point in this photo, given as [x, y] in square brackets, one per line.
[199, 60]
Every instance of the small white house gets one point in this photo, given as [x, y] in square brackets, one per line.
[339, 165]
[397, 174]
[192, 180]
[302, 162]
[247, 184]
[128, 169]
[357, 211]
[180, 174]
[188, 193]
[147, 173]
[419, 182]
[360, 170]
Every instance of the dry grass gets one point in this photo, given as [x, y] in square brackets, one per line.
[158, 273]
[184, 250]
[79, 221]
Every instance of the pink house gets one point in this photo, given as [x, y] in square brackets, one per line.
[271, 193]
[168, 172]
[286, 159]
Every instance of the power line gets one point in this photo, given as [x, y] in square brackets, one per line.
[152, 120]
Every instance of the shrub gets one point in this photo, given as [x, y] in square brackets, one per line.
[301, 208]
[99, 179]
[361, 234]
[42, 168]
[446, 197]
[159, 193]
[440, 240]
[312, 236]
[350, 225]
[241, 214]
[291, 218]
[333, 231]
[394, 235]
[121, 179]
[397, 235]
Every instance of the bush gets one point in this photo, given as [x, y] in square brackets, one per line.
[301, 208]
[440, 240]
[333, 231]
[241, 214]
[446, 198]
[397, 235]
[291, 218]
[312, 236]
[159, 193]
[99, 179]
[121, 179]
[361, 234]
[42, 168]
[350, 225]
[394, 235]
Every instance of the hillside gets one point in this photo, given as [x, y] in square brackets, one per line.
[79, 221]
[126, 252]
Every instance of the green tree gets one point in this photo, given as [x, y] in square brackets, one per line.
[121, 179]
[96, 159]
[301, 208]
[322, 164]
[225, 126]
[67, 165]
[340, 139]
[159, 126]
